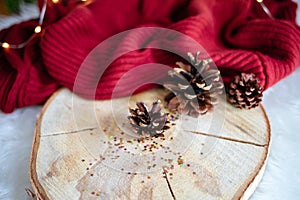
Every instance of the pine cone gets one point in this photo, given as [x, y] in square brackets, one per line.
[195, 87]
[244, 91]
[148, 122]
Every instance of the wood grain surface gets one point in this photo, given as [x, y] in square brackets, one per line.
[86, 150]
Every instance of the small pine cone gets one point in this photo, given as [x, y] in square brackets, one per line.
[244, 91]
[148, 122]
[195, 87]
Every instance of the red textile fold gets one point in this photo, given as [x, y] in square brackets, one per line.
[237, 35]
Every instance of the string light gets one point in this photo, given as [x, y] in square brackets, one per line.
[37, 29]
[265, 8]
[5, 45]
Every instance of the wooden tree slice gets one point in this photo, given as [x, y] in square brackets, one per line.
[87, 150]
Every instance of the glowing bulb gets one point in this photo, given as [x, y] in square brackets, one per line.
[259, 1]
[55, 1]
[38, 29]
[84, 0]
[5, 45]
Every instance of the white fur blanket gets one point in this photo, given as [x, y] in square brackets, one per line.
[280, 181]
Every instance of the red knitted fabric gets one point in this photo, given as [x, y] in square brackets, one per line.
[238, 36]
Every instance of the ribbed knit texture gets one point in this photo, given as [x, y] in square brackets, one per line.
[237, 34]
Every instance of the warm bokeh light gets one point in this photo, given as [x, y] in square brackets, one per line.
[38, 29]
[5, 45]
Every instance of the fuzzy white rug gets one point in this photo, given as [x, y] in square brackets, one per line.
[280, 181]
